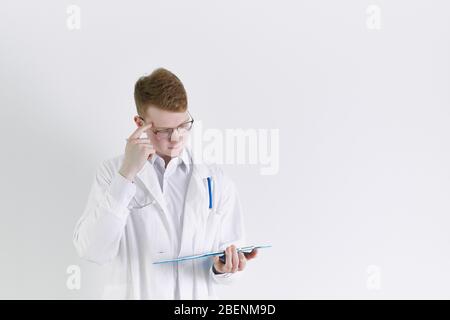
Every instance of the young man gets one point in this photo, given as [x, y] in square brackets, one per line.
[157, 202]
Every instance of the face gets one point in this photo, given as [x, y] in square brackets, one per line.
[172, 145]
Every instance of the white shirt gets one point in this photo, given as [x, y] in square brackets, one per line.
[174, 180]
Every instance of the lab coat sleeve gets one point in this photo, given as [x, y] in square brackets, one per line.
[232, 229]
[98, 233]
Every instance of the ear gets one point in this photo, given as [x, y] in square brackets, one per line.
[139, 121]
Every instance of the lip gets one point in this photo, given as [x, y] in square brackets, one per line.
[175, 146]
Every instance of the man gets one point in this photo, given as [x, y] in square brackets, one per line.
[157, 202]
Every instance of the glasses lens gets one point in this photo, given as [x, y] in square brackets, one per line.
[186, 126]
[182, 129]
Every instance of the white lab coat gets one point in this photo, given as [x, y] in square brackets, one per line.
[127, 226]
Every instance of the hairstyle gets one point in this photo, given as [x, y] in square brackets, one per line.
[161, 89]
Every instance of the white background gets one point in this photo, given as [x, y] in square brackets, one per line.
[364, 134]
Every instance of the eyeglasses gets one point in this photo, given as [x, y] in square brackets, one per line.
[166, 133]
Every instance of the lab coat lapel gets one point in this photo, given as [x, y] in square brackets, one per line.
[194, 211]
[193, 229]
[148, 177]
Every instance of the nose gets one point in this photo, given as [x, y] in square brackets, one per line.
[175, 136]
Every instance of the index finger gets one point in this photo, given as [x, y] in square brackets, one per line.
[137, 133]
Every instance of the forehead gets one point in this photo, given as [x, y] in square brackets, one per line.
[164, 118]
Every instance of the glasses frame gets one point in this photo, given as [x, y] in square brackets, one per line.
[171, 130]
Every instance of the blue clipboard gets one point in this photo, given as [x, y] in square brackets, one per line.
[220, 254]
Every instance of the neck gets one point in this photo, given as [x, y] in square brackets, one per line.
[166, 159]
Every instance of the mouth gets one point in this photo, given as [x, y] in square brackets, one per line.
[175, 146]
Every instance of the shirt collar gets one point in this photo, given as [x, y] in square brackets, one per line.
[182, 158]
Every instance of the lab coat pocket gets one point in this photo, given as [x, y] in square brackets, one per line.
[140, 201]
[154, 240]
[137, 206]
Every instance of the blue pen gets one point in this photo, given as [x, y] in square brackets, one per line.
[210, 193]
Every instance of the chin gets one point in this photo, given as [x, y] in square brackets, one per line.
[174, 152]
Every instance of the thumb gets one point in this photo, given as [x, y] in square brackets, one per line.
[252, 254]
[217, 263]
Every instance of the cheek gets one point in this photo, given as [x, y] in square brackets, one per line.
[155, 142]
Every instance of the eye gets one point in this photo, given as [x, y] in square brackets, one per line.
[163, 131]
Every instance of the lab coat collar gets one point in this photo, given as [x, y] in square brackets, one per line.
[147, 172]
